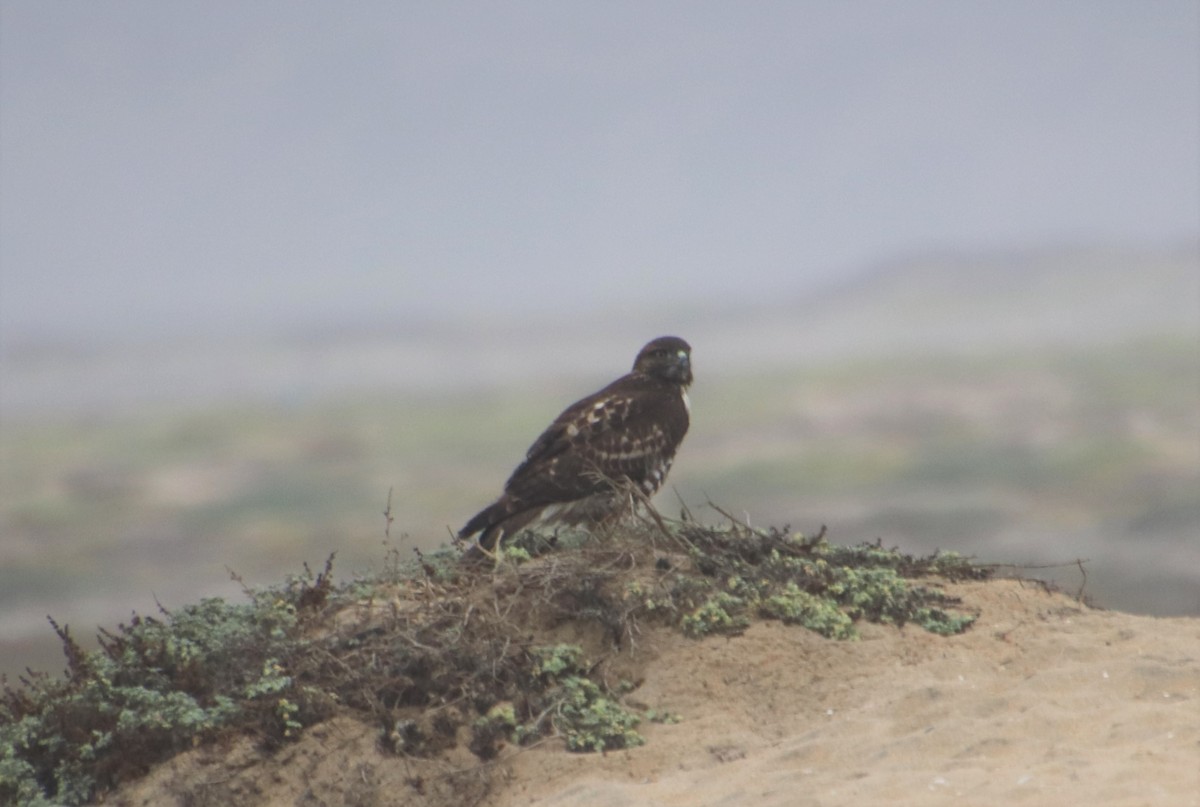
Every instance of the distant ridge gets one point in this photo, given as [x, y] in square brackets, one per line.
[943, 302]
[965, 302]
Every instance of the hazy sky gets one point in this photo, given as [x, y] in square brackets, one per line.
[203, 166]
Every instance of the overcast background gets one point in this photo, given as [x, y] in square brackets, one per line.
[263, 262]
[206, 168]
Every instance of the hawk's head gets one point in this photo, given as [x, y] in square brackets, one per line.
[668, 358]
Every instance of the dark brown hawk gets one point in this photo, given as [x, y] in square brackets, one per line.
[625, 433]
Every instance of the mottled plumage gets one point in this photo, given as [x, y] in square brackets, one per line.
[627, 432]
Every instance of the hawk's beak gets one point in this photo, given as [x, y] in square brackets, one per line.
[683, 367]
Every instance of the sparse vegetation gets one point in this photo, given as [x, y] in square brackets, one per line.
[159, 685]
[431, 646]
[825, 588]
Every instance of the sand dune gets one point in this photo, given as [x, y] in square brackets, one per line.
[1043, 701]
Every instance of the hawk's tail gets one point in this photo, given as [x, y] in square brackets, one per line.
[497, 521]
[481, 521]
[490, 523]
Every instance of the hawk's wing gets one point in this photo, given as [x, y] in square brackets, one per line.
[624, 430]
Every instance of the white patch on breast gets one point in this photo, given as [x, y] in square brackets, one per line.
[548, 514]
[687, 402]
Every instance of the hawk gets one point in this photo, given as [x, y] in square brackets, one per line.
[627, 432]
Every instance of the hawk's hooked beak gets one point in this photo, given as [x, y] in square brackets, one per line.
[683, 367]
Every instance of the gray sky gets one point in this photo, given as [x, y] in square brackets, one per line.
[197, 167]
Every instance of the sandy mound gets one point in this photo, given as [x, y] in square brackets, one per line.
[1041, 702]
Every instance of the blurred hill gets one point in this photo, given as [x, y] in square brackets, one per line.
[1036, 406]
[939, 305]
